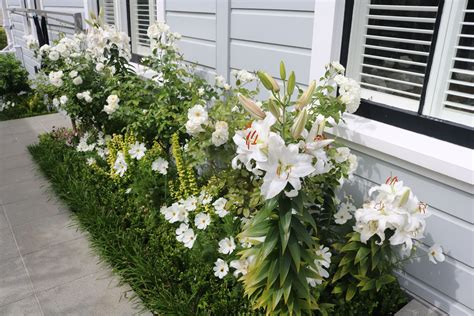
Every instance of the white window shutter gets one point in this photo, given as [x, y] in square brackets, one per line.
[450, 95]
[108, 6]
[389, 49]
[142, 15]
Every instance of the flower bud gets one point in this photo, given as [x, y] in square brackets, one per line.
[299, 124]
[251, 107]
[274, 109]
[268, 82]
[306, 96]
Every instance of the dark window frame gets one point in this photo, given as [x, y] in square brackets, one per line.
[413, 121]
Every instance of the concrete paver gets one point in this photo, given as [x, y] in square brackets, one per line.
[46, 264]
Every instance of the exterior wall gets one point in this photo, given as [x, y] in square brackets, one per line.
[240, 34]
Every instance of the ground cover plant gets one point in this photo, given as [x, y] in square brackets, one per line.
[207, 201]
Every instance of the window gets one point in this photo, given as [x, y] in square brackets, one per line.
[142, 13]
[414, 60]
[108, 6]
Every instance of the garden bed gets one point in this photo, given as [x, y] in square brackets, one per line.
[131, 237]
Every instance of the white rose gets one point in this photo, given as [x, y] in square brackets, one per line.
[63, 99]
[99, 67]
[53, 55]
[77, 81]
[73, 74]
[193, 128]
[221, 134]
[113, 99]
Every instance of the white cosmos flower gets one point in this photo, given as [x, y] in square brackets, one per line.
[219, 206]
[227, 245]
[180, 231]
[160, 165]
[435, 254]
[202, 220]
[190, 204]
[342, 216]
[90, 161]
[221, 134]
[220, 268]
[120, 165]
[137, 151]
[205, 198]
[189, 238]
[284, 165]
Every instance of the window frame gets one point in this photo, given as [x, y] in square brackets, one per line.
[413, 121]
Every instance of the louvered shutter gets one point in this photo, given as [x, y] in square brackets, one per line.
[108, 6]
[142, 14]
[451, 97]
[389, 48]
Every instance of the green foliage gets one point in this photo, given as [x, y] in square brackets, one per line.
[3, 38]
[16, 98]
[138, 244]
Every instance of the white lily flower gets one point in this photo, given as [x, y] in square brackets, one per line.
[284, 165]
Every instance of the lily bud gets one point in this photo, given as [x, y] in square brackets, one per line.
[306, 96]
[299, 124]
[321, 127]
[251, 107]
[268, 82]
[274, 109]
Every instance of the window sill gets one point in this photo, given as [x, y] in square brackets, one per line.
[445, 162]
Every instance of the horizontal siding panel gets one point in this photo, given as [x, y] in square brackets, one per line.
[13, 3]
[275, 27]
[204, 6]
[199, 51]
[193, 25]
[258, 56]
[438, 299]
[449, 277]
[297, 5]
[63, 3]
[16, 18]
[443, 197]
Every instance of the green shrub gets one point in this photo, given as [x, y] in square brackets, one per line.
[16, 97]
[3, 38]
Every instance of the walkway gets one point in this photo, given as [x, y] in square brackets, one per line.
[46, 266]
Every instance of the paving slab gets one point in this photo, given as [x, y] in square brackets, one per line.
[28, 211]
[44, 232]
[8, 248]
[417, 308]
[61, 263]
[14, 281]
[95, 295]
[26, 307]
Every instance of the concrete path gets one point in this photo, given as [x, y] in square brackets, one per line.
[46, 266]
